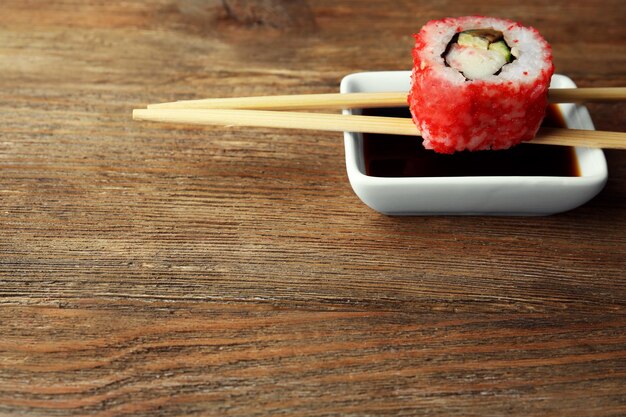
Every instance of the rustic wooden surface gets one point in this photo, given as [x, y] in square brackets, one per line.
[166, 270]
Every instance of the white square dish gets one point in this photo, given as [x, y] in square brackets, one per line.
[471, 195]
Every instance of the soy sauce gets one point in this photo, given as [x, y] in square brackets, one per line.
[404, 156]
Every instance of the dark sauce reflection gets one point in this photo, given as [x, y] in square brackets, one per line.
[404, 156]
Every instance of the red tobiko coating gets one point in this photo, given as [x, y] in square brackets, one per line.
[454, 114]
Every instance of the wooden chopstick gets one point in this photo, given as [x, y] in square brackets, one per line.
[280, 119]
[366, 100]
[293, 102]
[353, 123]
[590, 94]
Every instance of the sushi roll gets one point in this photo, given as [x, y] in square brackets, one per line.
[478, 83]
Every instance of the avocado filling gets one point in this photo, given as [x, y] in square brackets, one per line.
[479, 53]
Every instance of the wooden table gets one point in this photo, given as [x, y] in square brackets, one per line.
[165, 270]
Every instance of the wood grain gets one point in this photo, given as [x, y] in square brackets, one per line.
[158, 270]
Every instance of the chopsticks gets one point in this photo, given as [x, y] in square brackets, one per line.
[354, 123]
[367, 100]
[294, 102]
[270, 112]
[281, 119]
